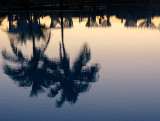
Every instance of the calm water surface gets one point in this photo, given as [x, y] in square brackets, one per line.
[80, 66]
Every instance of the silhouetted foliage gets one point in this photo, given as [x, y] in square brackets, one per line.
[40, 72]
[68, 4]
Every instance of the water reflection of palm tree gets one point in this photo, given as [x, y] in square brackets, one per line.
[105, 23]
[91, 22]
[40, 72]
[26, 27]
[73, 80]
[68, 23]
[108, 20]
[130, 23]
[2, 17]
[102, 22]
[54, 21]
[147, 24]
[1, 20]
[28, 73]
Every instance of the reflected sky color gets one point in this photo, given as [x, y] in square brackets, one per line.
[127, 87]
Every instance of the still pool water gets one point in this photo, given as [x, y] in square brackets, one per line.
[83, 66]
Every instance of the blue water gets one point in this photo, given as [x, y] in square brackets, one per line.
[79, 67]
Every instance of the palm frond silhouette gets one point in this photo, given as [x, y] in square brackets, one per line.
[41, 73]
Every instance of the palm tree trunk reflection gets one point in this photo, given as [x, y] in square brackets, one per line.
[41, 73]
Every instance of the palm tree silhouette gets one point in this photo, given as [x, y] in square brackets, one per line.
[147, 24]
[76, 79]
[28, 73]
[2, 17]
[40, 72]
[27, 25]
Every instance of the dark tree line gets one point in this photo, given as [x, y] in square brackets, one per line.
[66, 4]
